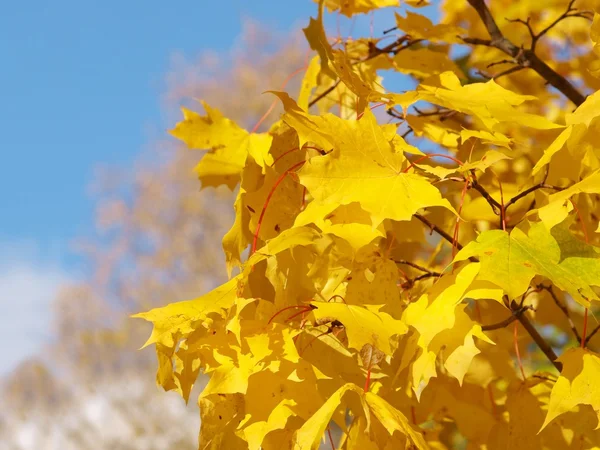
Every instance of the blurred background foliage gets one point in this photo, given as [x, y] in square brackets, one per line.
[157, 241]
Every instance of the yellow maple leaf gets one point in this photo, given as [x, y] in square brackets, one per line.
[363, 166]
[346, 221]
[309, 82]
[511, 260]
[219, 417]
[177, 320]
[443, 323]
[393, 420]
[424, 62]
[229, 146]
[559, 206]
[576, 385]
[499, 105]
[351, 7]
[335, 63]
[420, 27]
[363, 325]
[308, 436]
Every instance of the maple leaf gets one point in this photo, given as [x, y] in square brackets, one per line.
[344, 286]
[558, 207]
[335, 63]
[351, 7]
[346, 221]
[512, 260]
[363, 325]
[220, 415]
[178, 320]
[363, 167]
[420, 27]
[576, 385]
[442, 323]
[230, 146]
[424, 62]
[499, 106]
[307, 437]
[309, 82]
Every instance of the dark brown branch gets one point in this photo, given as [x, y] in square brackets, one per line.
[563, 308]
[476, 41]
[570, 12]
[438, 230]
[523, 57]
[497, 63]
[395, 114]
[503, 324]
[402, 43]
[537, 338]
[496, 207]
[427, 275]
[324, 93]
[527, 23]
[508, 72]
[594, 331]
[410, 130]
[412, 264]
[528, 191]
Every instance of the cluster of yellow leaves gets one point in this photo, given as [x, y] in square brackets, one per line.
[345, 311]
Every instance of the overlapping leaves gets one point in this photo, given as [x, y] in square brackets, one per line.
[344, 312]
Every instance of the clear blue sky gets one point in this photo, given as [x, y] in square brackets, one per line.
[81, 85]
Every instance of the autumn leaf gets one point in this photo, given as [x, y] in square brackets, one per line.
[577, 384]
[230, 145]
[363, 167]
[178, 320]
[512, 260]
[363, 325]
[499, 107]
[351, 7]
[410, 260]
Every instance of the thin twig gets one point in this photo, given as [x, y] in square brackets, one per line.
[324, 93]
[523, 57]
[537, 338]
[570, 12]
[594, 331]
[496, 206]
[506, 322]
[528, 191]
[508, 72]
[412, 264]
[439, 231]
[495, 326]
[563, 308]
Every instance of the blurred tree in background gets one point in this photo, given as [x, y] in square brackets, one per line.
[157, 241]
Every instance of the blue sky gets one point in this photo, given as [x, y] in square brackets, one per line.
[81, 86]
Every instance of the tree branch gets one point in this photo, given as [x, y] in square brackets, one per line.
[496, 206]
[502, 324]
[594, 331]
[412, 264]
[570, 12]
[324, 93]
[537, 338]
[439, 231]
[563, 308]
[528, 191]
[523, 57]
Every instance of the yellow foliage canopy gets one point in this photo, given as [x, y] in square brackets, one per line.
[408, 282]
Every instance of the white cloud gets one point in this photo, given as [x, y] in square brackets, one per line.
[28, 285]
